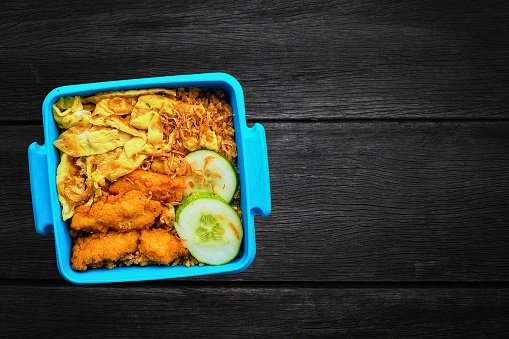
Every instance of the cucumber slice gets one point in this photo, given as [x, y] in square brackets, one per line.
[209, 227]
[212, 173]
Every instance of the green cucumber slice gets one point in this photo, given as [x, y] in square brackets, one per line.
[212, 173]
[209, 227]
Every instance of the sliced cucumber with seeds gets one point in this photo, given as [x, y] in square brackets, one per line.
[209, 227]
[212, 173]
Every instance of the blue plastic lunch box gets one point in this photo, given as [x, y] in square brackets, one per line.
[252, 163]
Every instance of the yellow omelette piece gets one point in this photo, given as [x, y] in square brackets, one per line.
[94, 161]
[143, 121]
[114, 169]
[114, 106]
[118, 123]
[153, 102]
[102, 109]
[71, 187]
[129, 93]
[155, 130]
[65, 106]
[152, 122]
[79, 141]
[79, 118]
[138, 145]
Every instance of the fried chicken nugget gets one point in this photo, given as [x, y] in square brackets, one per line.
[99, 248]
[161, 246]
[160, 187]
[132, 210]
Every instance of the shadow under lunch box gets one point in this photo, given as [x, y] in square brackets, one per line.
[252, 163]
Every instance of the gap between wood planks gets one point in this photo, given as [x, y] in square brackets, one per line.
[374, 120]
[269, 284]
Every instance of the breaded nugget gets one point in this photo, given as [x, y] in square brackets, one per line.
[99, 248]
[161, 246]
[167, 217]
[124, 212]
[160, 187]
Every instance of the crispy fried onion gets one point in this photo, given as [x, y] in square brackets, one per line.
[198, 119]
[170, 165]
[201, 119]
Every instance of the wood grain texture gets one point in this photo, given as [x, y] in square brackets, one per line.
[352, 201]
[197, 311]
[295, 60]
[387, 126]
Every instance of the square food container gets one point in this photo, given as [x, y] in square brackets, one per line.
[252, 163]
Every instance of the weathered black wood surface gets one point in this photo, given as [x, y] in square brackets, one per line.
[388, 134]
[273, 310]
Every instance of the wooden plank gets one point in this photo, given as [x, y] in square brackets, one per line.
[340, 59]
[352, 201]
[224, 311]
[389, 201]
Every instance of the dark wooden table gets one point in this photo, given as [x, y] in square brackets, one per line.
[388, 134]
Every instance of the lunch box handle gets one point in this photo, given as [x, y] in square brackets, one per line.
[39, 185]
[258, 173]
